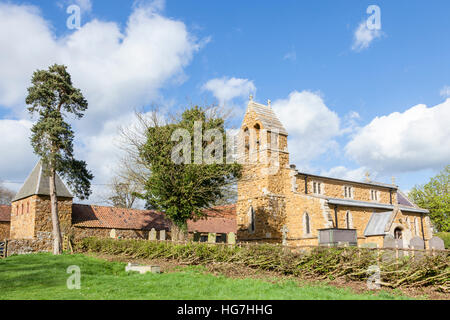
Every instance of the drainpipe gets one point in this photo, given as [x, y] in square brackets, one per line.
[306, 184]
[423, 233]
[336, 216]
[390, 195]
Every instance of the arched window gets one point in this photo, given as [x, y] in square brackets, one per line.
[307, 223]
[251, 216]
[21, 210]
[398, 233]
[28, 207]
[349, 220]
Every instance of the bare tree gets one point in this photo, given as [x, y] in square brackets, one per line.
[6, 195]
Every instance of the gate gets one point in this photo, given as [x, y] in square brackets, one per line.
[3, 249]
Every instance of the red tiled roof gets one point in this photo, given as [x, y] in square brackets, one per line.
[91, 216]
[5, 213]
[220, 219]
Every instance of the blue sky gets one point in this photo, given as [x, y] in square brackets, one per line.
[299, 54]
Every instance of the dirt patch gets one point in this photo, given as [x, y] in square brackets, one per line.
[240, 272]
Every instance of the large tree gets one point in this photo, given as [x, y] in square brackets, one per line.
[435, 196]
[183, 189]
[51, 97]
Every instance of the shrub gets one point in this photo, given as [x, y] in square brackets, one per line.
[324, 263]
[446, 237]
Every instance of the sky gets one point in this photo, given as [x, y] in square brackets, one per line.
[361, 86]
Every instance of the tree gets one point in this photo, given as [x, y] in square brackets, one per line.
[182, 190]
[435, 196]
[6, 195]
[51, 96]
[123, 192]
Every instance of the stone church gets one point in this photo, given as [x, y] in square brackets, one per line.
[306, 209]
[276, 203]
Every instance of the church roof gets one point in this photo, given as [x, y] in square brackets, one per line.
[374, 205]
[267, 117]
[377, 223]
[38, 184]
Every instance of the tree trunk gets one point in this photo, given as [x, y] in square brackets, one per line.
[178, 234]
[54, 212]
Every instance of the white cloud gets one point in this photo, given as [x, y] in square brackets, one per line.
[342, 172]
[16, 159]
[312, 127]
[416, 139]
[445, 92]
[226, 89]
[85, 5]
[117, 70]
[363, 36]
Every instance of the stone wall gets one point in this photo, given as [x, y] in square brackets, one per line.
[22, 218]
[42, 243]
[81, 232]
[4, 230]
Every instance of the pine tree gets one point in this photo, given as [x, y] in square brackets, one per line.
[51, 97]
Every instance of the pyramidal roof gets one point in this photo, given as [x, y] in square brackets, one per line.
[38, 183]
[267, 117]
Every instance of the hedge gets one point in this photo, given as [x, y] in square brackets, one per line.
[323, 263]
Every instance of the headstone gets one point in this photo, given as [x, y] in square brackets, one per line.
[112, 233]
[231, 238]
[196, 236]
[436, 243]
[142, 269]
[369, 245]
[152, 234]
[162, 235]
[284, 232]
[389, 243]
[211, 238]
[417, 243]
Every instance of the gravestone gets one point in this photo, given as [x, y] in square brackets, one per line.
[389, 243]
[231, 238]
[152, 234]
[436, 243]
[369, 245]
[142, 269]
[162, 235]
[417, 243]
[196, 236]
[112, 234]
[211, 237]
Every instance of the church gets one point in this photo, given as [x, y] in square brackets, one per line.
[299, 208]
[275, 203]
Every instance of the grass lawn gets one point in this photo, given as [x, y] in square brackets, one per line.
[44, 276]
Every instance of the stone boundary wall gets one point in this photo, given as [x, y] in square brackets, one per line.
[42, 243]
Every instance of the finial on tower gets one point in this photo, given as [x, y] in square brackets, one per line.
[367, 176]
[393, 180]
[251, 97]
[268, 103]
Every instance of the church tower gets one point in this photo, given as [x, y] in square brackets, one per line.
[264, 156]
[31, 213]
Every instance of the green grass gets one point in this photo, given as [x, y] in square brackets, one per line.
[43, 277]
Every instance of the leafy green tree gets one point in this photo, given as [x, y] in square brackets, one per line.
[51, 96]
[182, 190]
[435, 196]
